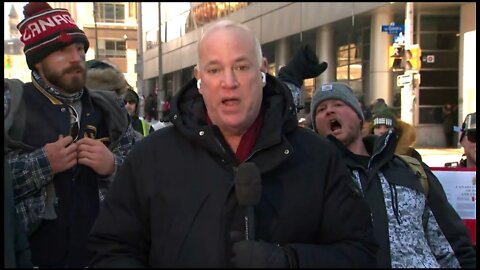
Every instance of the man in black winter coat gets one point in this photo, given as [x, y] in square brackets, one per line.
[183, 193]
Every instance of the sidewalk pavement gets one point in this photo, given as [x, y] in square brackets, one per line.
[437, 157]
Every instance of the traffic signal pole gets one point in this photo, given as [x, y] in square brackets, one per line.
[407, 93]
[409, 24]
[161, 91]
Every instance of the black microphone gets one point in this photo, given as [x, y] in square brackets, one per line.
[248, 188]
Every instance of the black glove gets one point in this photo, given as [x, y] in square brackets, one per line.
[304, 65]
[258, 254]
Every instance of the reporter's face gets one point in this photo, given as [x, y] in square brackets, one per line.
[65, 68]
[231, 80]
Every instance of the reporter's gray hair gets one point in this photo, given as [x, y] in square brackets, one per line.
[230, 24]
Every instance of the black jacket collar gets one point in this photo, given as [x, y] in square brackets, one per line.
[381, 150]
[188, 114]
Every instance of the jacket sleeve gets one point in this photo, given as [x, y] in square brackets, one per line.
[120, 127]
[31, 171]
[22, 248]
[17, 250]
[119, 237]
[346, 234]
[450, 223]
[437, 242]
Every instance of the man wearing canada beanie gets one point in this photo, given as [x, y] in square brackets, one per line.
[65, 150]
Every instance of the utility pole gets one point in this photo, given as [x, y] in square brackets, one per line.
[96, 30]
[161, 91]
[407, 92]
[139, 69]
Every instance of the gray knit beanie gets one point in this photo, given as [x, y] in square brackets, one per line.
[335, 90]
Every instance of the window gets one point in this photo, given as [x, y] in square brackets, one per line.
[110, 12]
[439, 76]
[132, 10]
[352, 51]
[439, 41]
[112, 48]
[349, 67]
[152, 38]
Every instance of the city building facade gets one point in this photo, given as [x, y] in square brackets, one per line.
[354, 38]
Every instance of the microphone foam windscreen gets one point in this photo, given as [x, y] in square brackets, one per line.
[248, 184]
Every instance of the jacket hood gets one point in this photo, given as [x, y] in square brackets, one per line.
[132, 95]
[109, 79]
[407, 137]
[405, 132]
[188, 114]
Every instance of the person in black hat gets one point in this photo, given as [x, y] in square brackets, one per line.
[66, 144]
[449, 119]
[385, 119]
[468, 140]
[132, 101]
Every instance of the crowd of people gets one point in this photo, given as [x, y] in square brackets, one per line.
[241, 183]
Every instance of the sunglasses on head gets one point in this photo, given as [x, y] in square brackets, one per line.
[74, 123]
[471, 136]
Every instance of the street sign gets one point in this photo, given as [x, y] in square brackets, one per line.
[393, 28]
[405, 79]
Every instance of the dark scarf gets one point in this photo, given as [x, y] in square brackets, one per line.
[249, 138]
[65, 98]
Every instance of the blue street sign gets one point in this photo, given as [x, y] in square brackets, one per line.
[393, 28]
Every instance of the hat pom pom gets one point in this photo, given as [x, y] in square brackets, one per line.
[33, 8]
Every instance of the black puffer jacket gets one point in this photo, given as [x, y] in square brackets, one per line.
[396, 198]
[173, 203]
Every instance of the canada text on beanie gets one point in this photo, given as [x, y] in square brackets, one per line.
[45, 30]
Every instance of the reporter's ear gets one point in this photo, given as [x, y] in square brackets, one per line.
[196, 72]
[264, 65]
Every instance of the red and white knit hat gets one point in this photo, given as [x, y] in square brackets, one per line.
[45, 30]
